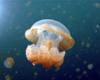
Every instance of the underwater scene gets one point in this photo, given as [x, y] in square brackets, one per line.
[49, 39]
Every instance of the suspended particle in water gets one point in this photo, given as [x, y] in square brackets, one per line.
[28, 3]
[70, 76]
[35, 73]
[16, 72]
[50, 39]
[97, 26]
[97, 5]
[84, 72]
[85, 62]
[77, 69]
[18, 54]
[90, 66]
[82, 43]
[88, 45]
[9, 62]
[79, 77]
[53, 78]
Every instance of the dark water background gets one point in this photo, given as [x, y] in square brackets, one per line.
[82, 18]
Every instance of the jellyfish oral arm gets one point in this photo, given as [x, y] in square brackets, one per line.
[44, 56]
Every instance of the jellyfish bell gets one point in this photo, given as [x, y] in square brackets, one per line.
[9, 62]
[51, 23]
[51, 26]
[49, 39]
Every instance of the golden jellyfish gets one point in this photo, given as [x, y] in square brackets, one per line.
[50, 39]
[9, 62]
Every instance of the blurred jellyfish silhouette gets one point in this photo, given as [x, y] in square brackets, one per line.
[50, 39]
[8, 77]
[9, 62]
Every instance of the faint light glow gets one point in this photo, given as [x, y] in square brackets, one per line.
[1, 9]
[1, 14]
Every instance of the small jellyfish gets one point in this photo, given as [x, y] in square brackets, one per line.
[9, 62]
[50, 39]
[8, 77]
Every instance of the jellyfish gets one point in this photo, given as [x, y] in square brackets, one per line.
[9, 62]
[50, 40]
[8, 77]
